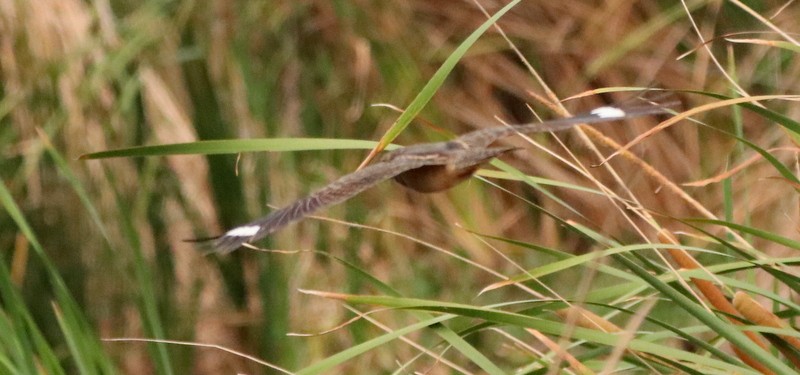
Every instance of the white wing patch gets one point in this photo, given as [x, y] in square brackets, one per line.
[243, 231]
[608, 112]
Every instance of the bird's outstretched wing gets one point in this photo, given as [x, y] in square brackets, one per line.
[421, 167]
[485, 137]
[336, 192]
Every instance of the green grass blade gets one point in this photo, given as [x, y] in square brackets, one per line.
[234, 146]
[767, 235]
[427, 92]
[579, 260]
[782, 120]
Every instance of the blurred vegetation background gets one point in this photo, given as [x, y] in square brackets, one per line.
[85, 76]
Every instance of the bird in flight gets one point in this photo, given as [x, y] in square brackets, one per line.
[426, 168]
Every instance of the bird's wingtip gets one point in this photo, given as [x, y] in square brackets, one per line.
[222, 244]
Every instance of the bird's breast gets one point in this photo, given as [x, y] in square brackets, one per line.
[433, 178]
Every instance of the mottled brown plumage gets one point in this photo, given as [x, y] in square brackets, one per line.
[426, 168]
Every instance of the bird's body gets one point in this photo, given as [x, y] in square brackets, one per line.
[462, 160]
[426, 168]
